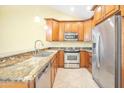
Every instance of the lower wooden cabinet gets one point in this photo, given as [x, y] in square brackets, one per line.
[54, 67]
[61, 59]
[85, 60]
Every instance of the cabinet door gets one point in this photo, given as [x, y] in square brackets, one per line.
[61, 31]
[122, 10]
[84, 59]
[49, 30]
[68, 26]
[88, 30]
[98, 14]
[61, 59]
[55, 31]
[80, 31]
[74, 27]
[110, 9]
[52, 74]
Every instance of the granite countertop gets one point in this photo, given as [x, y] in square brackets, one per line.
[26, 70]
[88, 49]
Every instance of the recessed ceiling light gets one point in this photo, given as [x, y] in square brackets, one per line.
[72, 9]
[37, 19]
[88, 7]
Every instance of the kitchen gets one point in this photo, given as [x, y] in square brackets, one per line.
[58, 46]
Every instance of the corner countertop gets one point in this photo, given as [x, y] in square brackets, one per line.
[26, 70]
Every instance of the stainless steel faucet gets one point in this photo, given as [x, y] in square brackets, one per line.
[37, 50]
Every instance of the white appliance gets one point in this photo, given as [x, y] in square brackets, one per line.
[43, 80]
[71, 58]
[70, 36]
[106, 60]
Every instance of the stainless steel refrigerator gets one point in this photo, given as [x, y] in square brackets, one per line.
[106, 60]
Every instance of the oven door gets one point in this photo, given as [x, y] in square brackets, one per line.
[71, 60]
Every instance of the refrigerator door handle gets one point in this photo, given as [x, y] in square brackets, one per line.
[98, 52]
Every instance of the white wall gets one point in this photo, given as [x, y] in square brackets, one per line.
[18, 31]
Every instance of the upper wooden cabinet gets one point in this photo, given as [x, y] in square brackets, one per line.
[61, 31]
[56, 30]
[75, 26]
[111, 9]
[68, 27]
[104, 11]
[52, 33]
[71, 26]
[98, 13]
[122, 10]
[88, 30]
[80, 31]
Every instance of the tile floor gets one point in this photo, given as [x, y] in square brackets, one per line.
[74, 78]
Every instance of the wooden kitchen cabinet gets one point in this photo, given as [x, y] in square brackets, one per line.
[61, 31]
[52, 33]
[122, 10]
[98, 14]
[54, 67]
[104, 11]
[88, 30]
[111, 9]
[56, 29]
[71, 26]
[74, 27]
[53, 70]
[49, 30]
[85, 60]
[68, 26]
[80, 31]
[61, 59]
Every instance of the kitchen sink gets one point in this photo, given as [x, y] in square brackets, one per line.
[43, 54]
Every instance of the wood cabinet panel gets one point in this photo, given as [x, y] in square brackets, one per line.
[88, 30]
[82, 59]
[55, 31]
[61, 59]
[68, 27]
[52, 33]
[61, 31]
[122, 10]
[85, 60]
[52, 74]
[111, 9]
[49, 30]
[80, 31]
[98, 14]
[74, 27]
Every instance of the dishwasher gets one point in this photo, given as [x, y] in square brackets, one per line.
[43, 79]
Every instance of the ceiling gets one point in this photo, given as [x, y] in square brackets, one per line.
[82, 12]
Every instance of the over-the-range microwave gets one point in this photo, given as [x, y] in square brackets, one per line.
[70, 36]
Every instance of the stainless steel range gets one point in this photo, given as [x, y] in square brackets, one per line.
[72, 58]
